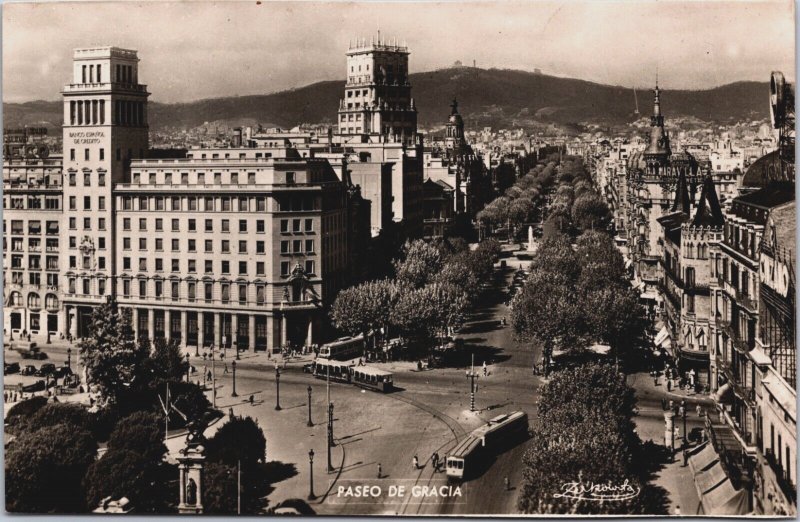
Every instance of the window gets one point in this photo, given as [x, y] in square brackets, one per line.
[290, 178]
[226, 225]
[73, 242]
[87, 223]
[260, 247]
[126, 243]
[284, 247]
[251, 178]
[284, 268]
[72, 158]
[175, 245]
[295, 225]
[260, 226]
[261, 204]
[226, 292]
[87, 202]
[217, 178]
[175, 225]
[126, 223]
[126, 263]
[242, 267]
[260, 294]
[226, 204]
[142, 224]
[209, 266]
[226, 246]
[168, 178]
[142, 264]
[159, 224]
[87, 288]
[175, 265]
[192, 266]
[260, 268]
[72, 223]
[309, 245]
[242, 294]
[73, 205]
[234, 178]
[86, 158]
[297, 246]
[309, 225]
[192, 225]
[142, 243]
[175, 290]
[101, 176]
[225, 267]
[159, 244]
[184, 178]
[126, 287]
[192, 289]
[101, 241]
[101, 223]
[73, 262]
[159, 264]
[209, 225]
[242, 225]
[242, 247]
[309, 266]
[192, 245]
[208, 291]
[102, 154]
[209, 245]
[159, 289]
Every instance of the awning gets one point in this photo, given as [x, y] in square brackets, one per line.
[724, 500]
[782, 395]
[703, 459]
[724, 394]
[662, 336]
[710, 478]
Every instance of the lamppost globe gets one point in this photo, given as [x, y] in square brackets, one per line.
[311, 456]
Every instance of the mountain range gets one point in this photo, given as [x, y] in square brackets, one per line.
[487, 97]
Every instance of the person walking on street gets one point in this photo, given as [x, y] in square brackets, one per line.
[435, 461]
[485, 370]
[507, 484]
[380, 472]
[226, 368]
[252, 401]
[415, 462]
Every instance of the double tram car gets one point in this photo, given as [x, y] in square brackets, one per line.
[498, 434]
[372, 378]
[336, 370]
[343, 349]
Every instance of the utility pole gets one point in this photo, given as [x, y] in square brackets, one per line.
[471, 375]
[213, 378]
[239, 487]
[330, 436]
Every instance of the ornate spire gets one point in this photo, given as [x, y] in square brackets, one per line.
[454, 107]
[682, 202]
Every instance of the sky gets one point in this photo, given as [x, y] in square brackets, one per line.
[195, 50]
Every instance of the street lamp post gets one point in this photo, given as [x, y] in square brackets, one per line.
[69, 358]
[471, 376]
[277, 389]
[330, 436]
[197, 349]
[309, 424]
[188, 367]
[213, 378]
[233, 366]
[311, 495]
[683, 414]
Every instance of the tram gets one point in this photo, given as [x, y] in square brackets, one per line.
[343, 349]
[498, 434]
[372, 378]
[337, 370]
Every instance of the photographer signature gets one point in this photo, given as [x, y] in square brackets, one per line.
[598, 492]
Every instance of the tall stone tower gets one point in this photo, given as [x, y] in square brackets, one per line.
[105, 126]
[658, 151]
[377, 98]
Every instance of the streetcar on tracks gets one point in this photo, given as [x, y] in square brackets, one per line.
[498, 434]
[372, 378]
[336, 370]
[343, 349]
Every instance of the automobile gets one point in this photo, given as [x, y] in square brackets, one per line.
[62, 371]
[46, 369]
[308, 368]
[293, 506]
[10, 368]
[37, 386]
[33, 353]
[28, 370]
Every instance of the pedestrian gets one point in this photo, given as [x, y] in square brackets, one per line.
[435, 461]
[252, 401]
[699, 410]
[655, 377]
[669, 385]
[209, 375]
[663, 404]
[226, 368]
[415, 462]
[507, 483]
[484, 369]
[685, 457]
[380, 473]
[284, 364]
[677, 511]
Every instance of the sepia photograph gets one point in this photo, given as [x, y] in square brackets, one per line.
[494, 258]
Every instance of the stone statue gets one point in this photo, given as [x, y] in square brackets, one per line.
[191, 492]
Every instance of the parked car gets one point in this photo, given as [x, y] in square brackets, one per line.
[33, 353]
[10, 368]
[46, 369]
[62, 371]
[37, 386]
[28, 370]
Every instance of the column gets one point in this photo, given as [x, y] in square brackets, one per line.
[310, 335]
[217, 330]
[135, 321]
[201, 329]
[184, 330]
[73, 322]
[234, 330]
[167, 325]
[251, 331]
[151, 324]
[283, 330]
[270, 334]
[62, 321]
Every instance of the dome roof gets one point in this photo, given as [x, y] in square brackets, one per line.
[762, 170]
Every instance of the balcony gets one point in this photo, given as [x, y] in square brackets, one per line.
[781, 477]
[106, 86]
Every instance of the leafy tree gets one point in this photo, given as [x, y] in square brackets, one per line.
[420, 262]
[20, 412]
[590, 212]
[240, 439]
[556, 256]
[460, 272]
[415, 314]
[166, 361]
[122, 472]
[365, 307]
[140, 433]
[601, 262]
[45, 470]
[616, 316]
[54, 413]
[111, 356]
[220, 490]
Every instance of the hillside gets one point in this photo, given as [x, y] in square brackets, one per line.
[486, 96]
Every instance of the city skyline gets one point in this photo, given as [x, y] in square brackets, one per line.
[687, 51]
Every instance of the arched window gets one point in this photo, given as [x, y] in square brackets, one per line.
[15, 299]
[50, 301]
[34, 301]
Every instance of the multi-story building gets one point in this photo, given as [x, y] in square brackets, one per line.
[32, 221]
[243, 245]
